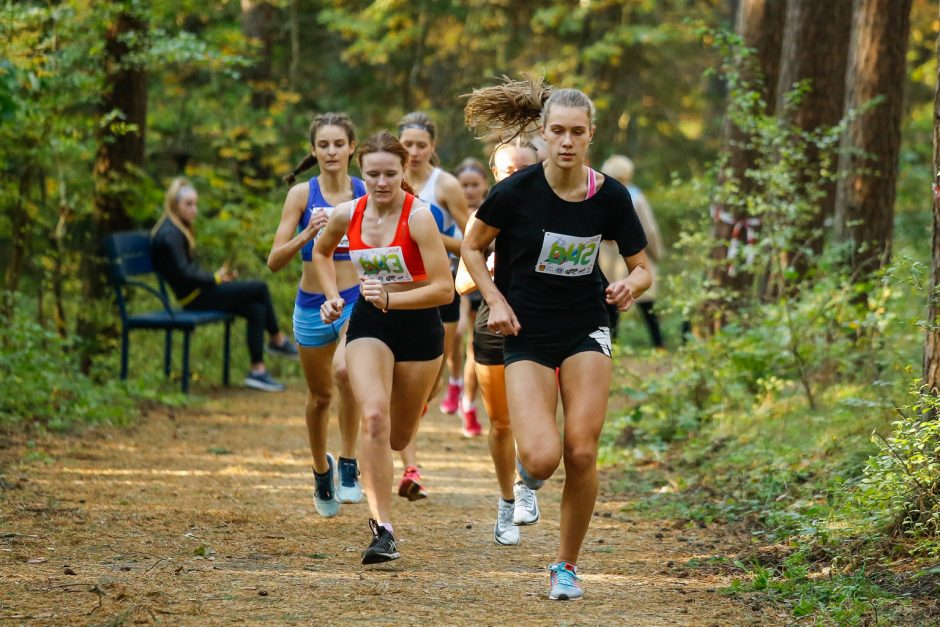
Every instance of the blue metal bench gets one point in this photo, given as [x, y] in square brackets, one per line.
[129, 257]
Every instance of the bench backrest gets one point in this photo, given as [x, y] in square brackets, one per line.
[128, 255]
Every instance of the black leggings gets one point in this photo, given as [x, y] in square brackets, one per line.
[248, 299]
[652, 323]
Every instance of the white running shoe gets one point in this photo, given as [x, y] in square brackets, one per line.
[504, 531]
[526, 509]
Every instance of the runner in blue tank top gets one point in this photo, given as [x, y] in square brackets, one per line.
[441, 191]
[322, 346]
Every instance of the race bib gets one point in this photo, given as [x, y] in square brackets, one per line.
[343, 243]
[566, 255]
[384, 264]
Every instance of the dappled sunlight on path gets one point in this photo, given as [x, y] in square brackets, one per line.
[206, 517]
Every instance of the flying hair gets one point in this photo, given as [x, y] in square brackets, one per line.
[510, 108]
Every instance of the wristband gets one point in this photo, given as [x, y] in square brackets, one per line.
[388, 299]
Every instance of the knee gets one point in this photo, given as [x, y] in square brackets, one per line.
[398, 441]
[375, 422]
[500, 428]
[580, 456]
[319, 400]
[540, 464]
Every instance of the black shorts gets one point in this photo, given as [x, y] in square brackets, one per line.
[487, 346]
[551, 350]
[451, 311]
[476, 299]
[411, 334]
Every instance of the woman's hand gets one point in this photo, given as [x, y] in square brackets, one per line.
[318, 220]
[331, 310]
[502, 320]
[619, 293]
[226, 274]
[374, 292]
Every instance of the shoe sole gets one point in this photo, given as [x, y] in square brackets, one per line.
[501, 543]
[264, 387]
[471, 434]
[563, 597]
[527, 524]
[348, 500]
[326, 512]
[380, 558]
[411, 491]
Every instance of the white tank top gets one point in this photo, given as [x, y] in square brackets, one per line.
[428, 193]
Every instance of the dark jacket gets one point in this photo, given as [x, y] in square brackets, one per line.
[173, 259]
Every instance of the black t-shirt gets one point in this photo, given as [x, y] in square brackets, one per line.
[547, 250]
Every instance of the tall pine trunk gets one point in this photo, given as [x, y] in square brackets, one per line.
[871, 145]
[760, 25]
[931, 367]
[815, 48]
[120, 154]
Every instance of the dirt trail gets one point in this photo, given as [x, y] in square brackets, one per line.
[206, 517]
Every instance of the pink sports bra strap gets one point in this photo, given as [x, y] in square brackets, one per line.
[592, 183]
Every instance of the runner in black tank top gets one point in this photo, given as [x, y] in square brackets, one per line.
[548, 299]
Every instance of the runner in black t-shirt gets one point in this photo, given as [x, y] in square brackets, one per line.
[548, 299]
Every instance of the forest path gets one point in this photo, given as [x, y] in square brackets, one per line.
[205, 516]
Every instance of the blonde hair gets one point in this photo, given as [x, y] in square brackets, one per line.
[619, 167]
[171, 209]
[510, 108]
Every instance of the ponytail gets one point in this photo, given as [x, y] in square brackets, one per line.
[309, 161]
[407, 187]
[508, 108]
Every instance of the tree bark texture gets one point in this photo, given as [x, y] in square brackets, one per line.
[815, 48]
[258, 27]
[871, 144]
[120, 152]
[760, 24]
[931, 365]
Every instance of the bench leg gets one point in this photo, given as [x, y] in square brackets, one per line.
[125, 348]
[167, 353]
[226, 355]
[186, 361]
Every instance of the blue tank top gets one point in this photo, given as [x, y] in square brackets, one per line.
[315, 201]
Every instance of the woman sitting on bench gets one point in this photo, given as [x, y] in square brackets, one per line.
[197, 289]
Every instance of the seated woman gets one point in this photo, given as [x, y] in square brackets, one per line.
[197, 289]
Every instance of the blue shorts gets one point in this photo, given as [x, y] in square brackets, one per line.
[309, 328]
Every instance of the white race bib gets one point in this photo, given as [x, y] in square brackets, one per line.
[384, 264]
[343, 243]
[566, 255]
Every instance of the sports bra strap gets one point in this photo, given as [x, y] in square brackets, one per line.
[592, 183]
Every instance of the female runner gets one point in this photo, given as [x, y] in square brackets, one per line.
[548, 299]
[322, 353]
[395, 339]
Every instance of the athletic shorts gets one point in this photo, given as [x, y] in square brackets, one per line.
[550, 351]
[476, 299]
[451, 311]
[411, 334]
[309, 328]
[487, 346]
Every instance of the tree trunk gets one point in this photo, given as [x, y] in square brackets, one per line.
[815, 48]
[760, 24]
[120, 154]
[258, 26]
[931, 370]
[19, 240]
[865, 194]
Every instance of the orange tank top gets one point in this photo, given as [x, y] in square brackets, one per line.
[399, 262]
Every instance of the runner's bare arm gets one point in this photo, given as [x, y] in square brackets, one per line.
[286, 243]
[463, 281]
[502, 318]
[623, 292]
[329, 239]
[455, 202]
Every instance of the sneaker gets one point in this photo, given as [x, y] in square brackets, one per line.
[564, 578]
[349, 490]
[530, 482]
[284, 349]
[383, 547]
[526, 509]
[471, 427]
[504, 531]
[451, 400]
[324, 497]
[263, 381]
[410, 485]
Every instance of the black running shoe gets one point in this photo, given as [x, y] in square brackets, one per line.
[383, 547]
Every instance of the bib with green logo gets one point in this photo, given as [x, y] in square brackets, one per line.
[567, 255]
[383, 264]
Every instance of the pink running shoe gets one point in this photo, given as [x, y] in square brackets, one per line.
[471, 427]
[410, 485]
[451, 401]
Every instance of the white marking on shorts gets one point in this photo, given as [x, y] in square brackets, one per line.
[602, 337]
